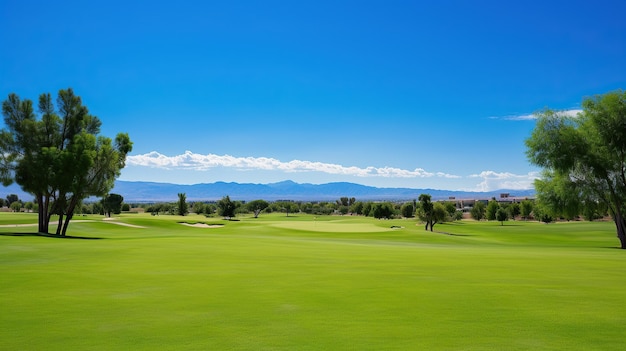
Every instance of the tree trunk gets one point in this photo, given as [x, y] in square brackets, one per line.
[620, 224]
[43, 215]
[70, 214]
[66, 224]
[60, 225]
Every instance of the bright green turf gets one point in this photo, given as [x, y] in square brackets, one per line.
[311, 283]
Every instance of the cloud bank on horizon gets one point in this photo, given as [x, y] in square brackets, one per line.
[190, 161]
[533, 116]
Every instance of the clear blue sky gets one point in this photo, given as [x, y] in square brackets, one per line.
[387, 93]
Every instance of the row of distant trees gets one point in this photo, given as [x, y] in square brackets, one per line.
[427, 211]
[109, 204]
[228, 208]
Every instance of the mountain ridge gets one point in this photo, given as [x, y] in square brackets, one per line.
[139, 191]
[142, 191]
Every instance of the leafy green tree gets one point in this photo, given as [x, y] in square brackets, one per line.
[425, 211]
[440, 214]
[257, 206]
[125, 207]
[526, 208]
[458, 215]
[11, 198]
[210, 209]
[343, 210]
[198, 207]
[112, 203]
[502, 215]
[367, 209]
[492, 208]
[542, 213]
[182, 208]
[592, 210]
[587, 153]
[16, 206]
[226, 207]
[97, 208]
[450, 208]
[345, 201]
[559, 195]
[382, 210]
[478, 211]
[29, 206]
[514, 210]
[357, 207]
[407, 210]
[286, 206]
[59, 158]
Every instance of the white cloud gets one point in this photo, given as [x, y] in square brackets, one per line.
[532, 116]
[493, 181]
[198, 162]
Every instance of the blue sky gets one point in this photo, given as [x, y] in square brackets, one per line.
[384, 93]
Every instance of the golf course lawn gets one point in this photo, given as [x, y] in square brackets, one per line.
[310, 283]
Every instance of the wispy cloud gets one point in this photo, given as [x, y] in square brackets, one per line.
[532, 116]
[504, 180]
[199, 162]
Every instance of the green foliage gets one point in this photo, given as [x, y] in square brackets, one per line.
[407, 210]
[543, 213]
[112, 203]
[478, 211]
[514, 210]
[257, 206]
[492, 209]
[458, 215]
[182, 208]
[559, 195]
[59, 158]
[357, 208]
[450, 208]
[226, 207]
[345, 201]
[526, 208]
[583, 158]
[382, 210]
[198, 207]
[431, 213]
[502, 215]
[425, 211]
[16, 206]
[11, 198]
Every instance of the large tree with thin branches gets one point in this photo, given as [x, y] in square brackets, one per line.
[585, 154]
[57, 154]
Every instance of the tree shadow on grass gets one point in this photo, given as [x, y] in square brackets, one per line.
[451, 234]
[51, 236]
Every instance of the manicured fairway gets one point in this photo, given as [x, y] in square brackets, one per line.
[311, 283]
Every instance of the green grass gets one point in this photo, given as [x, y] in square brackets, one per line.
[311, 283]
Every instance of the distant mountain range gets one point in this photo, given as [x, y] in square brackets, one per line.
[286, 190]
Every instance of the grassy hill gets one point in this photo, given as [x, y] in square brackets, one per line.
[310, 283]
